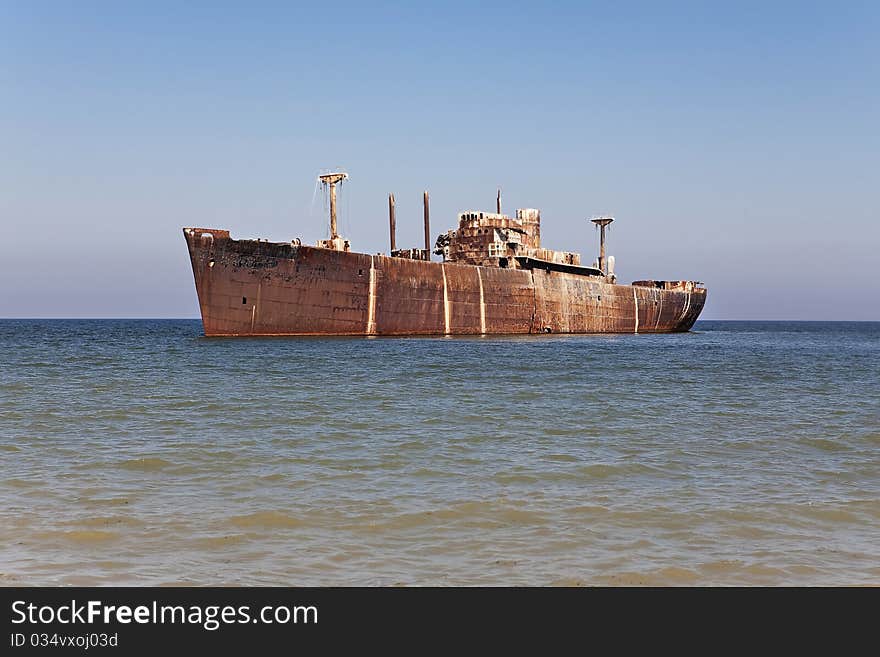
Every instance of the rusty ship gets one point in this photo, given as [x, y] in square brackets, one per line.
[494, 278]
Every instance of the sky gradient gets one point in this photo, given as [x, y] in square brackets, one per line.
[735, 143]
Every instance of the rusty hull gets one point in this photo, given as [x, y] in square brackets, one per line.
[254, 287]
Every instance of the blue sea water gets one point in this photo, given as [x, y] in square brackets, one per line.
[140, 452]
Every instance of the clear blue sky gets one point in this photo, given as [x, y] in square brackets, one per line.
[736, 143]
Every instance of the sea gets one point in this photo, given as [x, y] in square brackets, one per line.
[139, 452]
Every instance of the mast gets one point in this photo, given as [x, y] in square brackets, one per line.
[393, 223]
[602, 222]
[331, 179]
[427, 226]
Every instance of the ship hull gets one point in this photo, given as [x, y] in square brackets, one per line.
[257, 288]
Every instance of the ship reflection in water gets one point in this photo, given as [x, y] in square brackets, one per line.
[495, 279]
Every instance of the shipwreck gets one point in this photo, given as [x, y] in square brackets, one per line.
[494, 278]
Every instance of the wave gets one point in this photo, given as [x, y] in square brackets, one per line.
[266, 520]
[88, 535]
[147, 464]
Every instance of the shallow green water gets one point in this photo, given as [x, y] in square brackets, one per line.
[139, 452]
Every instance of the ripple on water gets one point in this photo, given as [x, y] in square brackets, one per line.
[668, 576]
[826, 444]
[265, 520]
[220, 542]
[83, 536]
[112, 501]
[515, 478]
[145, 464]
[608, 470]
[127, 521]
[21, 483]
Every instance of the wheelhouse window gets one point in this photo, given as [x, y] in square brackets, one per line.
[497, 249]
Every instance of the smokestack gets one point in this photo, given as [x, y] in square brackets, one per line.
[392, 222]
[427, 226]
[498, 202]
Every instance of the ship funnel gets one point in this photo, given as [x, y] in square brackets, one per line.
[611, 265]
